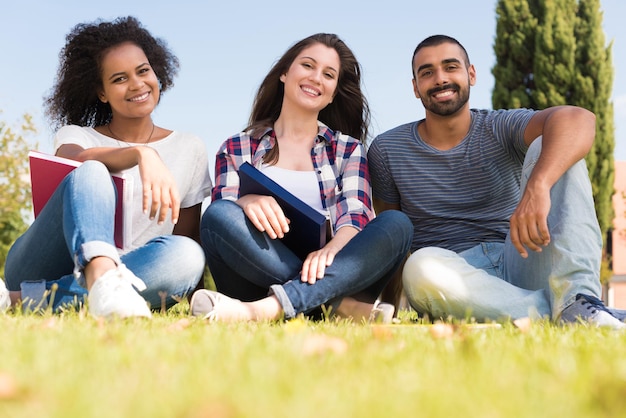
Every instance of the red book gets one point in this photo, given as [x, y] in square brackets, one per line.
[47, 171]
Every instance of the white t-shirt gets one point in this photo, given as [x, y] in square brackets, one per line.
[184, 155]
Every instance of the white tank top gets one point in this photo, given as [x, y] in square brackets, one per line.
[302, 184]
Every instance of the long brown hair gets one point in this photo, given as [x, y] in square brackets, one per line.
[349, 111]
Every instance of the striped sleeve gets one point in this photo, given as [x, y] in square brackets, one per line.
[383, 184]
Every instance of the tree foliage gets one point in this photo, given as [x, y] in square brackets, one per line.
[592, 89]
[553, 52]
[514, 48]
[15, 195]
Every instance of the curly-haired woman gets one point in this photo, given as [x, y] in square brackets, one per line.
[110, 80]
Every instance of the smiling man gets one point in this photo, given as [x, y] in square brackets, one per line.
[500, 200]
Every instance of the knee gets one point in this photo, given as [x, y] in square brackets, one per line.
[91, 169]
[398, 221]
[425, 271]
[194, 255]
[399, 227]
[93, 175]
[219, 208]
[191, 257]
[414, 273]
[219, 212]
[221, 218]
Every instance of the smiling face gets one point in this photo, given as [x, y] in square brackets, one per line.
[311, 80]
[442, 78]
[129, 84]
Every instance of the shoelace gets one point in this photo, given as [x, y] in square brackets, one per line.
[128, 276]
[595, 303]
[213, 315]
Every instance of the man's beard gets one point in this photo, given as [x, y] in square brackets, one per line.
[449, 107]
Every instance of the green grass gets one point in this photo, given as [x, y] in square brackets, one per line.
[72, 365]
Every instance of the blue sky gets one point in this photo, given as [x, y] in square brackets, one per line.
[226, 49]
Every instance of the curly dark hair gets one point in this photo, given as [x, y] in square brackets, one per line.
[74, 97]
[349, 111]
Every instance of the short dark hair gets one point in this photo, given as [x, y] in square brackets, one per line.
[74, 97]
[435, 40]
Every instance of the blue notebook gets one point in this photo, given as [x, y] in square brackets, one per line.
[307, 230]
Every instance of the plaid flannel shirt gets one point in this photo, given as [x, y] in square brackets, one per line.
[339, 162]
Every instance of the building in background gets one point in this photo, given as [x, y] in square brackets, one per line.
[617, 241]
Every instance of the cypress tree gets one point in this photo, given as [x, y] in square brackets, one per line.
[593, 82]
[555, 52]
[514, 48]
[552, 52]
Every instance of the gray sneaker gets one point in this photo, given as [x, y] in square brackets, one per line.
[590, 310]
[5, 300]
[618, 313]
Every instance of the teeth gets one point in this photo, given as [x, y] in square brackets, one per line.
[139, 98]
[444, 94]
[308, 90]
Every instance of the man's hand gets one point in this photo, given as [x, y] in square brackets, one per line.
[529, 222]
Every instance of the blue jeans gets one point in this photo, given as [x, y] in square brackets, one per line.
[492, 281]
[248, 265]
[76, 225]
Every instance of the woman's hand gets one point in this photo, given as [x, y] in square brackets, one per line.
[314, 266]
[265, 214]
[160, 193]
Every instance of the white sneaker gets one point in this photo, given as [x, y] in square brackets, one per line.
[5, 300]
[113, 295]
[382, 313]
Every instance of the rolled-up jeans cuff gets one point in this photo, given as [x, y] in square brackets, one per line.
[288, 309]
[89, 251]
[34, 295]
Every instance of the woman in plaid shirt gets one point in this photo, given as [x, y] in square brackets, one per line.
[303, 130]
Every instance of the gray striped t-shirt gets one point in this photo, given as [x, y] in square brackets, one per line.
[459, 197]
